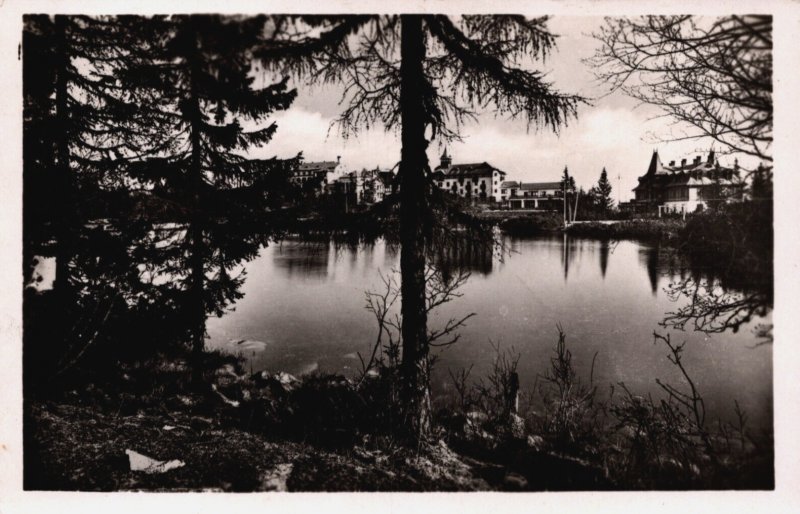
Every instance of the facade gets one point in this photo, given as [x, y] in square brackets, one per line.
[480, 181]
[375, 185]
[686, 187]
[530, 195]
[316, 175]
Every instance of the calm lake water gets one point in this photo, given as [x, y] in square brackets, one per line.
[304, 310]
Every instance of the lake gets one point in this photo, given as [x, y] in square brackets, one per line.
[303, 310]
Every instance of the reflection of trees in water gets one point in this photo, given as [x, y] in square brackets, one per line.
[303, 258]
[567, 254]
[464, 255]
[649, 257]
[716, 298]
[711, 308]
[605, 248]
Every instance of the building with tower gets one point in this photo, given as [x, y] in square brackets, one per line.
[480, 181]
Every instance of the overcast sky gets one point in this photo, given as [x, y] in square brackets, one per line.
[612, 132]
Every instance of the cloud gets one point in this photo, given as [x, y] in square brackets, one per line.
[314, 135]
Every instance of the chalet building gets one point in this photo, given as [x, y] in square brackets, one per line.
[376, 185]
[363, 187]
[686, 187]
[316, 175]
[477, 180]
[530, 195]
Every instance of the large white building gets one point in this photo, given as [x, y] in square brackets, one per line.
[476, 180]
[316, 175]
[688, 186]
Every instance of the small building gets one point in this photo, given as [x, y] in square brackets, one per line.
[531, 195]
[375, 185]
[686, 187]
[480, 180]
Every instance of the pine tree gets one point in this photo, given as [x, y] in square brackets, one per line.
[567, 182]
[604, 190]
[421, 74]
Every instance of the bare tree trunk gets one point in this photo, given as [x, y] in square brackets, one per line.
[197, 311]
[414, 366]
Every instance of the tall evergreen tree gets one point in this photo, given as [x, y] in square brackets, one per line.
[423, 74]
[73, 145]
[68, 133]
[604, 191]
[193, 77]
[567, 181]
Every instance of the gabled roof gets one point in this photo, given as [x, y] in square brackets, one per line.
[694, 172]
[468, 170]
[320, 165]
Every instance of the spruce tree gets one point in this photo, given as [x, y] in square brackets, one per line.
[604, 190]
[73, 146]
[193, 77]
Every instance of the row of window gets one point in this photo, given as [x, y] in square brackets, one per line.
[532, 194]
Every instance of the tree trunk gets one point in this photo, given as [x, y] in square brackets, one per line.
[413, 161]
[197, 310]
[65, 210]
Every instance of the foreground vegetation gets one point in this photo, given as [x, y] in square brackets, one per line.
[265, 431]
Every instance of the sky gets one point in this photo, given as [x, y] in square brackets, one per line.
[613, 132]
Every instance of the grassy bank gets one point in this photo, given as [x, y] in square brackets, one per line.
[517, 223]
[526, 224]
[664, 230]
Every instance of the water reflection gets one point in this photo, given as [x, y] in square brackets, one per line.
[301, 305]
[465, 255]
[303, 260]
[649, 257]
[314, 316]
[605, 248]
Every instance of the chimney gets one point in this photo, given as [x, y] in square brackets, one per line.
[683, 162]
[697, 159]
[338, 159]
[672, 163]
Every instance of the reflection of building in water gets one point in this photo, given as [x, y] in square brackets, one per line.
[649, 257]
[465, 254]
[307, 259]
[687, 187]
